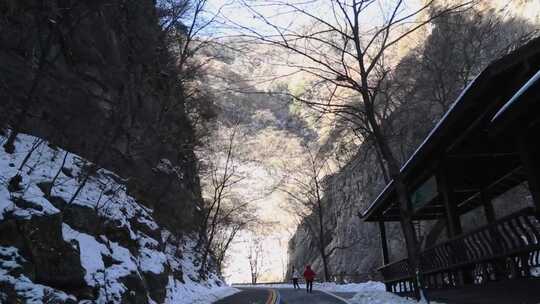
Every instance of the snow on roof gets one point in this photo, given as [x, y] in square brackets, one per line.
[459, 100]
[517, 96]
[386, 188]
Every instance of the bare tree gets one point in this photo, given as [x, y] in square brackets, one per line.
[350, 59]
[309, 202]
[236, 216]
[255, 258]
[184, 21]
[222, 174]
[53, 181]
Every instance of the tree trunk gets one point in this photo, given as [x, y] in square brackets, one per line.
[325, 265]
[210, 237]
[49, 191]
[400, 188]
[322, 244]
[407, 225]
[324, 257]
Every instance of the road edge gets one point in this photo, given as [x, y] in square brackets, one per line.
[335, 296]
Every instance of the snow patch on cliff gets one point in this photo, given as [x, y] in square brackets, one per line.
[30, 292]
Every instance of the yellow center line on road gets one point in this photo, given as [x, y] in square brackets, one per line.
[272, 297]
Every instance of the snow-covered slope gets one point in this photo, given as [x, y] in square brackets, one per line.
[63, 243]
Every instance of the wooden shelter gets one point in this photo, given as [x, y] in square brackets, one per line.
[486, 144]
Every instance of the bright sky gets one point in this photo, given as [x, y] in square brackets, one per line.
[234, 12]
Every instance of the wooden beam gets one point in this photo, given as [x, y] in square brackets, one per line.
[488, 207]
[397, 218]
[514, 175]
[384, 243]
[530, 157]
[473, 125]
[474, 190]
[482, 155]
[450, 204]
[431, 209]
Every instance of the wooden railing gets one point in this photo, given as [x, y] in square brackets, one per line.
[397, 277]
[508, 248]
[397, 270]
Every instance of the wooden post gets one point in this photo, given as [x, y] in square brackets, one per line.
[452, 218]
[384, 244]
[384, 247]
[499, 264]
[529, 150]
[445, 190]
[488, 207]
[529, 154]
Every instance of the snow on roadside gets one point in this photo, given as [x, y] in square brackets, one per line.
[370, 292]
[191, 291]
[380, 297]
[350, 287]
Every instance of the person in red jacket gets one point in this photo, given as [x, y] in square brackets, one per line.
[309, 276]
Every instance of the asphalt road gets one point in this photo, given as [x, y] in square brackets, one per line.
[254, 295]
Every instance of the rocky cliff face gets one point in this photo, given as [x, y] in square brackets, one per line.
[97, 78]
[114, 220]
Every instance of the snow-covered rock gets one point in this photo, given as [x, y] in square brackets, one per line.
[70, 233]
